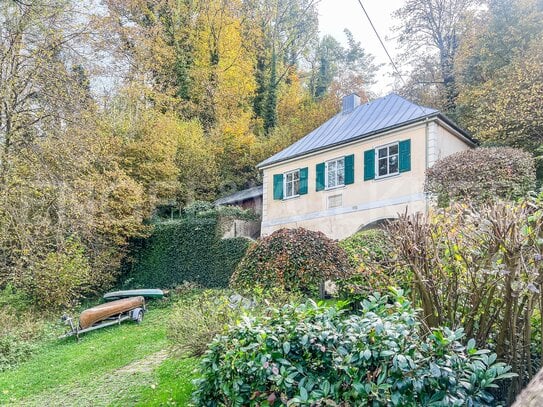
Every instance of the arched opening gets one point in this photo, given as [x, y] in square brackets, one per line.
[376, 224]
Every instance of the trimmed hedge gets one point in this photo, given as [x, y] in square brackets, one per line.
[296, 260]
[482, 175]
[188, 249]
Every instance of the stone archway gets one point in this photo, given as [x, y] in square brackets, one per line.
[376, 224]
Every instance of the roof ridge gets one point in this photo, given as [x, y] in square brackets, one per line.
[375, 116]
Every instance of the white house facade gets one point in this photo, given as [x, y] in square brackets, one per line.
[362, 166]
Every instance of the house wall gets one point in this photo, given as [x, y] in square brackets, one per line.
[364, 201]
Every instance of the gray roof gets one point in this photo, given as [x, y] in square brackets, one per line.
[374, 117]
[240, 196]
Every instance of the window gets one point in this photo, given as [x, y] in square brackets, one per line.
[292, 183]
[387, 160]
[335, 173]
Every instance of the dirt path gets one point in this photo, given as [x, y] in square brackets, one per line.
[91, 394]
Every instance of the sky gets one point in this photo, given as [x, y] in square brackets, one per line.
[336, 15]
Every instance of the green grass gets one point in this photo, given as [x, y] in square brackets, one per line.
[117, 363]
[173, 386]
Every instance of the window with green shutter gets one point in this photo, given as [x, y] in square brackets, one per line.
[405, 155]
[349, 169]
[320, 176]
[278, 186]
[303, 180]
[369, 165]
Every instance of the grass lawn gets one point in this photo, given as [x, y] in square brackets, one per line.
[120, 365]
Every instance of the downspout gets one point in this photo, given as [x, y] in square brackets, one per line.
[427, 160]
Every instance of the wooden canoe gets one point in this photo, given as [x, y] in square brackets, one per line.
[145, 292]
[96, 314]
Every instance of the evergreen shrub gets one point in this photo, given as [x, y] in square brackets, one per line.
[296, 260]
[314, 355]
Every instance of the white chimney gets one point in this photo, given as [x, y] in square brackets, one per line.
[350, 102]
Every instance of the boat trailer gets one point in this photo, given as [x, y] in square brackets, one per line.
[135, 314]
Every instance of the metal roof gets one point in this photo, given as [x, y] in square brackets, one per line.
[240, 196]
[365, 120]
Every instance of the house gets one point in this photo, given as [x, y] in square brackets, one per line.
[250, 198]
[364, 165]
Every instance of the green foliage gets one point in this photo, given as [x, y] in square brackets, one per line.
[297, 260]
[196, 320]
[367, 248]
[62, 279]
[19, 329]
[482, 175]
[500, 71]
[369, 253]
[320, 355]
[201, 315]
[187, 249]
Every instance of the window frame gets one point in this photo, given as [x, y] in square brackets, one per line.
[387, 146]
[285, 174]
[326, 180]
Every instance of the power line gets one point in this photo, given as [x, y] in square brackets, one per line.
[382, 43]
[386, 51]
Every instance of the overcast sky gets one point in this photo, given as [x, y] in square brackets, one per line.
[336, 15]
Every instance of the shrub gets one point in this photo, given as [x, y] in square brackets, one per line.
[19, 329]
[62, 278]
[367, 248]
[187, 249]
[479, 268]
[481, 175]
[201, 315]
[296, 260]
[369, 253]
[316, 355]
[196, 320]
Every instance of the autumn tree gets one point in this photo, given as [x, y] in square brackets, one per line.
[431, 30]
[500, 72]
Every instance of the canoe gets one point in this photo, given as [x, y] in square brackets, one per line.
[146, 293]
[96, 314]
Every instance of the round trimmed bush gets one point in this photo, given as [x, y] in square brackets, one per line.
[322, 356]
[369, 253]
[481, 175]
[367, 248]
[298, 260]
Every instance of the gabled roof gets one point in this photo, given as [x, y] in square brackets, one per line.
[371, 118]
[240, 196]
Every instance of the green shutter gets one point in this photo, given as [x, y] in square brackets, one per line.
[278, 186]
[369, 165]
[303, 181]
[405, 155]
[320, 176]
[349, 169]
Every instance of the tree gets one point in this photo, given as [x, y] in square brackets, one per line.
[348, 69]
[500, 77]
[435, 28]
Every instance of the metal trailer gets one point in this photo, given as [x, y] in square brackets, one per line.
[135, 314]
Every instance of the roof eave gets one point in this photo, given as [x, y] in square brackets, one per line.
[461, 132]
[261, 165]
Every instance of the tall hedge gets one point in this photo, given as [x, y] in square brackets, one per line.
[188, 249]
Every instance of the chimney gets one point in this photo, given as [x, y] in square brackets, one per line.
[350, 102]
